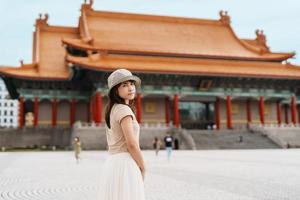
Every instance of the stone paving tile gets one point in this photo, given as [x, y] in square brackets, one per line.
[190, 175]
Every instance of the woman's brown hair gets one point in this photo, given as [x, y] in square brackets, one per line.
[114, 98]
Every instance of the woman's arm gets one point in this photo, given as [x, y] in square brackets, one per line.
[132, 143]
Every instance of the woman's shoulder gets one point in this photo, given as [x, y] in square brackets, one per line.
[119, 106]
[120, 111]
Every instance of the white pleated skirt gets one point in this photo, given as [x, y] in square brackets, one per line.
[121, 179]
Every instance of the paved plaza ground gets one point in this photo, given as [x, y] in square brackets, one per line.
[190, 175]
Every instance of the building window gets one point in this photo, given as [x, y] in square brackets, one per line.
[11, 113]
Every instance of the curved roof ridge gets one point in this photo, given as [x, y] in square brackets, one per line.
[165, 18]
[240, 41]
[251, 43]
[83, 26]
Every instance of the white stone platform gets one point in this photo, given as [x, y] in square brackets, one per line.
[190, 175]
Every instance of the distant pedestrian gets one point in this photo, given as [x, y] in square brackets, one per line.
[169, 145]
[77, 149]
[156, 145]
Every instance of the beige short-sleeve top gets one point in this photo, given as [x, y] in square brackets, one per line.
[115, 137]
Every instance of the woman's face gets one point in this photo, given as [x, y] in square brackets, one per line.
[126, 90]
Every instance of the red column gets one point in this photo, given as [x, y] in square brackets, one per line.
[98, 107]
[167, 111]
[278, 107]
[286, 114]
[298, 114]
[21, 112]
[228, 112]
[248, 105]
[72, 111]
[217, 113]
[293, 110]
[176, 111]
[94, 109]
[262, 110]
[139, 108]
[54, 112]
[36, 111]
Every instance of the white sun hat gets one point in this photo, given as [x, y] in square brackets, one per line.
[119, 76]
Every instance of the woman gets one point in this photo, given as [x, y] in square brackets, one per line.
[156, 145]
[124, 170]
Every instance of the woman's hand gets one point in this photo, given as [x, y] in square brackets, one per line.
[143, 171]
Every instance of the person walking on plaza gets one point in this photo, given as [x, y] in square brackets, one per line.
[123, 172]
[169, 145]
[156, 145]
[77, 149]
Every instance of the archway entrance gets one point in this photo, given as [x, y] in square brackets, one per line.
[196, 115]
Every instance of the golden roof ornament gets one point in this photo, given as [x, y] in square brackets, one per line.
[42, 21]
[262, 40]
[260, 37]
[224, 17]
[87, 5]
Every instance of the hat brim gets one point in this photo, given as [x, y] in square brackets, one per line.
[136, 79]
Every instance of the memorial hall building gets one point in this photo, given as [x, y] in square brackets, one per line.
[196, 73]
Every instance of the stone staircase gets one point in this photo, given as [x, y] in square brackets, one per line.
[286, 136]
[230, 139]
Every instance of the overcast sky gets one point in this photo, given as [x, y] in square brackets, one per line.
[280, 20]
